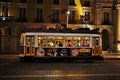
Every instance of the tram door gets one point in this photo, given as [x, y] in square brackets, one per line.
[30, 49]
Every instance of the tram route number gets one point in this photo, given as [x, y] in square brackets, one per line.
[84, 50]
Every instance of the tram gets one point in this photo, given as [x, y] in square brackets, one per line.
[61, 45]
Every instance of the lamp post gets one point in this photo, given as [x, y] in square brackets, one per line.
[68, 12]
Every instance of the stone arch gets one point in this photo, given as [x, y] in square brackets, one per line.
[105, 40]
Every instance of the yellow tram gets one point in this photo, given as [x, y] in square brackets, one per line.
[61, 45]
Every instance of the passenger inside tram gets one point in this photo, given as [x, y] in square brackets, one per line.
[60, 44]
[85, 43]
[50, 43]
[77, 43]
[69, 43]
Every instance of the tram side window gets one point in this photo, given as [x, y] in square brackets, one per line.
[42, 41]
[96, 41]
[51, 41]
[85, 41]
[59, 41]
[68, 41]
[77, 41]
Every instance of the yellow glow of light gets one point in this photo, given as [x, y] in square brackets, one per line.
[39, 38]
[118, 47]
[79, 11]
[68, 12]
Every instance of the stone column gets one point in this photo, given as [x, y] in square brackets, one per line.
[118, 28]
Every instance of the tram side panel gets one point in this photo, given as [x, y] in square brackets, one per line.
[80, 53]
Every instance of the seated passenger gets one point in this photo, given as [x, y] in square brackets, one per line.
[69, 43]
[77, 43]
[42, 43]
[85, 43]
[60, 44]
[50, 43]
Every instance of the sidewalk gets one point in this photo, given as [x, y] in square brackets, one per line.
[111, 55]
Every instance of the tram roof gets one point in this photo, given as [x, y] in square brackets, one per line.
[66, 30]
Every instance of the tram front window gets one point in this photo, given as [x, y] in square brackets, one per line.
[30, 40]
[96, 41]
[27, 40]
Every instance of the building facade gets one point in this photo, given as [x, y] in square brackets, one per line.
[17, 15]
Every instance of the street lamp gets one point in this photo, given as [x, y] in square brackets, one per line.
[68, 12]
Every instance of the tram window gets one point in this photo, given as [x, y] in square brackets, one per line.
[51, 41]
[42, 43]
[59, 41]
[85, 41]
[68, 41]
[42, 40]
[60, 37]
[27, 40]
[95, 41]
[39, 40]
[51, 37]
[30, 40]
[77, 41]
